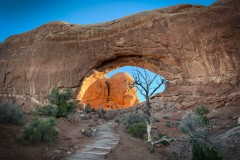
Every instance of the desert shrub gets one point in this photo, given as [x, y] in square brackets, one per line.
[65, 109]
[47, 110]
[73, 116]
[178, 119]
[87, 109]
[165, 117]
[202, 110]
[205, 119]
[57, 98]
[198, 131]
[117, 120]
[132, 119]
[101, 113]
[39, 130]
[158, 108]
[59, 104]
[194, 126]
[11, 113]
[201, 151]
[165, 143]
[156, 119]
[137, 130]
[168, 124]
[177, 123]
[160, 135]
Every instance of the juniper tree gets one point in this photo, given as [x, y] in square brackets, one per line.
[148, 86]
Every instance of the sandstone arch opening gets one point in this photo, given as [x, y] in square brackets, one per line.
[113, 88]
[130, 70]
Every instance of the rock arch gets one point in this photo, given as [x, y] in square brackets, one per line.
[195, 47]
[150, 64]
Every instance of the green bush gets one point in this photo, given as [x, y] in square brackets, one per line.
[205, 119]
[160, 135]
[59, 104]
[165, 117]
[178, 119]
[58, 98]
[137, 130]
[47, 110]
[165, 143]
[39, 130]
[168, 124]
[117, 120]
[202, 110]
[65, 108]
[11, 113]
[201, 151]
[132, 119]
[101, 113]
[87, 109]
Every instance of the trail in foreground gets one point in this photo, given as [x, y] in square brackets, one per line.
[103, 143]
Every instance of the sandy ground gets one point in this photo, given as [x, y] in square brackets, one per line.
[69, 139]
[129, 148]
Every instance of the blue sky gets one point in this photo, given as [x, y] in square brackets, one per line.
[130, 70]
[19, 16]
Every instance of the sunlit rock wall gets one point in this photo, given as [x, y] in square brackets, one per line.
[116, 92]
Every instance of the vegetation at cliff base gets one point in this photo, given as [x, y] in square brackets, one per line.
[11, 113]
[138, 130]
[39, 130]
[202, 112]
[132, 119]
[60, 105]
[201, 151]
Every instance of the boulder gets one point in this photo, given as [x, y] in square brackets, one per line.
[97, 94]
[117, 92]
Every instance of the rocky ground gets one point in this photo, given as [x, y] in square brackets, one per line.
[71, 140]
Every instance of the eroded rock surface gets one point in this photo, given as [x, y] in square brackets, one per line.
[116, 92]
[195, 47]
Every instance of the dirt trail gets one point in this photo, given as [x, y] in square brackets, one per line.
[102, 144]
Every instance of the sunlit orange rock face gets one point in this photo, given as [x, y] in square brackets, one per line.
[116, 92]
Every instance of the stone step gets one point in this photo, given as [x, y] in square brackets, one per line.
[106, 144]
[106, 138]
[105, 141]
[96, 149]
[84, 156]
[94, 153]
[100, 147]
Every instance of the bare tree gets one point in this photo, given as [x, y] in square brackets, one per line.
[147, 87]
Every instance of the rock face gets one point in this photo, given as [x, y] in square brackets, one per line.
[195, 47]
[117, 92]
